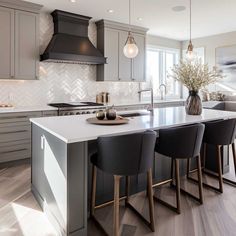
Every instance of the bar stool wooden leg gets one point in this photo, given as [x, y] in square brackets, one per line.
[200, 179]
[150, 200]
[93, 192]
[116, 225]
[177, 185]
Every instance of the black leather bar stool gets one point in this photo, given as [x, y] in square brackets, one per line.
[219, 133]
[181, 143]
[124, 155]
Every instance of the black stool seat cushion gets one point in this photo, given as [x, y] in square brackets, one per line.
[125, 155]
[221, 132]
[181, 142]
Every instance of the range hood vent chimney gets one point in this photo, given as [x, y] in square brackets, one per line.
[70, 42]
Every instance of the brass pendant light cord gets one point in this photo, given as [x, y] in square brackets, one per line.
[129, 15]
[190, 17]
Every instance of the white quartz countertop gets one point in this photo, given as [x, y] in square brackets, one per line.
[26, 109]
[50, 108]
[71, 129]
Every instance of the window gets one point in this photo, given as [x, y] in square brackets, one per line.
[159, 64]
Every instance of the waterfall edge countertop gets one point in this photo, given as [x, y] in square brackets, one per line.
[72, 129]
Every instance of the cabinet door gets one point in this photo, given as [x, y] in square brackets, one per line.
[7, 43]
[125, 66]
[138, 63]
[111, 44]
[26, 45]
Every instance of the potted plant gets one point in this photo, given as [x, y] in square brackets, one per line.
[195, 76]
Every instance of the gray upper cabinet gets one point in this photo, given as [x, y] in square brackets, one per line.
[125, 64]
[111, 38]
[7, 43]
[19, 36]
[111, 49]
[26, 45]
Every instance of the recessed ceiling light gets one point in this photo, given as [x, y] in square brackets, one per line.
[140, 18]
[178, 8]
[110, 10]
[72, 1]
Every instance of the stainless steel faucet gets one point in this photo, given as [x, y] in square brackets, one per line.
[151, 107]
[162, 85]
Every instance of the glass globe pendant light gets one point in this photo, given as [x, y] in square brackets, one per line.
[130, 49]
[189, 51]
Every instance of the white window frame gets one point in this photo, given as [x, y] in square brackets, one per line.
[162, 72]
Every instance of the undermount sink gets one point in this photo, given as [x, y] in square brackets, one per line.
[134, 114]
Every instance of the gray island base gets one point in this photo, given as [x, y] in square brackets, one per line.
[61, 147]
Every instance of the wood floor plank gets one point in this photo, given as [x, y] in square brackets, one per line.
[20, 214]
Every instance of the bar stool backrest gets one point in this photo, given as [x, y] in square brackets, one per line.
[181, 142]
[221, 132]
[126, 155]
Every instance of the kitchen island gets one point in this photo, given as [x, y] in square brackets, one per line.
[60, 160]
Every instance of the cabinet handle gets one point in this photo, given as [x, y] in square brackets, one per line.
[133, 79]
[12, 77]
[119, 78]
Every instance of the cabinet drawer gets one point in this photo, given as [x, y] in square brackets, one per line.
[15, 133]
[15, 151]
[50, 113]
[18, 117]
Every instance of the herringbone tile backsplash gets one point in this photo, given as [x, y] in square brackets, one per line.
[63, 82]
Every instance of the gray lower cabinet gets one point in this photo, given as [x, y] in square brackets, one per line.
[19, 36]
[15, 134]
[111, 39]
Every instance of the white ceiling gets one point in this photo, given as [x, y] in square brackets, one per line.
[209, 16]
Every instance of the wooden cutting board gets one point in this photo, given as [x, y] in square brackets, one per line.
[117, 121]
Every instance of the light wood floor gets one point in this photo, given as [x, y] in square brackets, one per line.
[20, 214]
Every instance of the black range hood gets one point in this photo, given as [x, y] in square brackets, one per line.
[70, 42]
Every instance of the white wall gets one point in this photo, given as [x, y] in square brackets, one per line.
[163, 42]
[210, 44]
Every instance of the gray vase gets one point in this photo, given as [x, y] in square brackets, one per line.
[193, 104]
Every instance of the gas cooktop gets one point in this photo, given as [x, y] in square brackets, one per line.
[75, 104]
